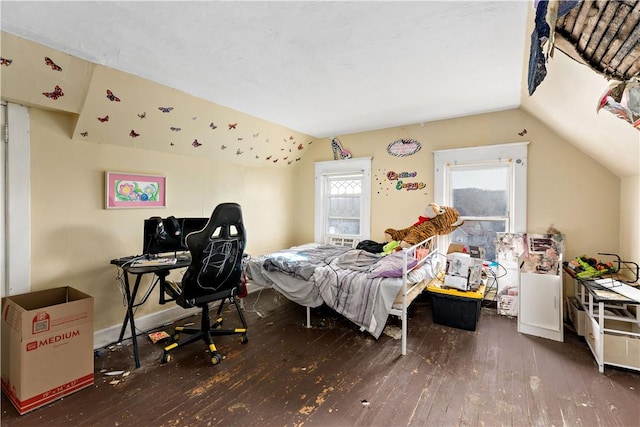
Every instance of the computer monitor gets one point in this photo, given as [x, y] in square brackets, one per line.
[165, 235]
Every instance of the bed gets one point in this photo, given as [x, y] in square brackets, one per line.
[366, 288]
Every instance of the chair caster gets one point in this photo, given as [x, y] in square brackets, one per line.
[216, 358]
[166, 357]
[244, 339]
[175, 337]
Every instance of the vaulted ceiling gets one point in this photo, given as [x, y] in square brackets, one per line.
[333, 68]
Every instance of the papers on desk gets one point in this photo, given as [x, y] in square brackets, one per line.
[155, 261]
[619, 288]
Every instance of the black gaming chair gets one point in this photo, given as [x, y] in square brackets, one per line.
[215, 274]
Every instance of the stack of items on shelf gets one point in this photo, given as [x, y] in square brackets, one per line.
[586, 267]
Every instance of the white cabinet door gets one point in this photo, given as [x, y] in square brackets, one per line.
[540, 311]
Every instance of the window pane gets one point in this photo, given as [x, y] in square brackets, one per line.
[479, 233]
[480, 192]
[344, 207]
[345, 186]
[344, 226]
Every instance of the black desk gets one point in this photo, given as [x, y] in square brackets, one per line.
[162, 271]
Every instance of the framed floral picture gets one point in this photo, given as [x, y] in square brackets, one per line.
[130, 190]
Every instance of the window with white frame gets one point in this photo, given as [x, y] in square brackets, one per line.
[488, 186]
[343, 201]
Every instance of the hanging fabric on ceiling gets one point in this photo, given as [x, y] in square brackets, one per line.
[547, 14]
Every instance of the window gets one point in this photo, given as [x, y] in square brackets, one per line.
[343, 201]
[487, 185]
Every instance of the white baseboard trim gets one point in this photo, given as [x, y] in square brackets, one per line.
[107, 336]
[104, 337]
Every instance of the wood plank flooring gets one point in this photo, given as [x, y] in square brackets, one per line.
[334, 375]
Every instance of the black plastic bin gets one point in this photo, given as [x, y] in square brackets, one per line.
[457, 312]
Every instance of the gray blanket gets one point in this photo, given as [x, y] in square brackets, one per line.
[301, 261]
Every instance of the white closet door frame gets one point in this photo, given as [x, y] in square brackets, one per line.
[16, 195]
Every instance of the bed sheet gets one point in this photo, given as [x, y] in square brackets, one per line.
[354, 293]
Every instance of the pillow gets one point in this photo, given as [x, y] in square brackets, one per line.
[390, 266]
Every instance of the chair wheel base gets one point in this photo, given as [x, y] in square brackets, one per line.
[216, 358]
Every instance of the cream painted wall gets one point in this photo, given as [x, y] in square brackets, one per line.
[74, 237]
[630, 219]
[566, 188]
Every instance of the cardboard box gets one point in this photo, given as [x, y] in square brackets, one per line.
[47, 346]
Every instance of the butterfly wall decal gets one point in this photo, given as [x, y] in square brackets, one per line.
[171, 144]
[143, 115]
[300, 147]
[255, 135]
[52, 64]
[232, 125]
[103, 119]
[84, 134]
[268, 158]
[165, 109]
[112, 97]
[240, 138]
[223, 147]
[175, 129]
[195, 143]
[133, 134]
[6, 61]
[289, 162]
[523, 133]
[213, 126]
[57, 93]
[275, 161]
[239, 151]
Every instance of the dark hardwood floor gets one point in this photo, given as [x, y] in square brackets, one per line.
[335, 375]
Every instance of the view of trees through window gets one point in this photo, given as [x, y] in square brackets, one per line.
[484, 205]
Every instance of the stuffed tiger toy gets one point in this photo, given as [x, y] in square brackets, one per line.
[439, 220]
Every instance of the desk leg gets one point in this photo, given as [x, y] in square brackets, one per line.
[129, 317]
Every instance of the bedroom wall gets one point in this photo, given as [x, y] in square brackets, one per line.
[74, 237]
[566, 188]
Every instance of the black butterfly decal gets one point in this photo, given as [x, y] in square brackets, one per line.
[5, 61]
[232, 125]
[57, 93]
[52, 64]
[523, 133]
[285, 158]
[291, 137]
[165, 109]
[268, 158]
[195, 143]
[172, 144]
[297, 159]
[175, 129]
[223, 147]
[275, 161]
[103, 119]
[85, 134]
[213, 126]
[143, 115]
[112, 97]
[133, 134]
[289, 162]
[240, 138]
[239, 151]
[255, 135]
[300, 147]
